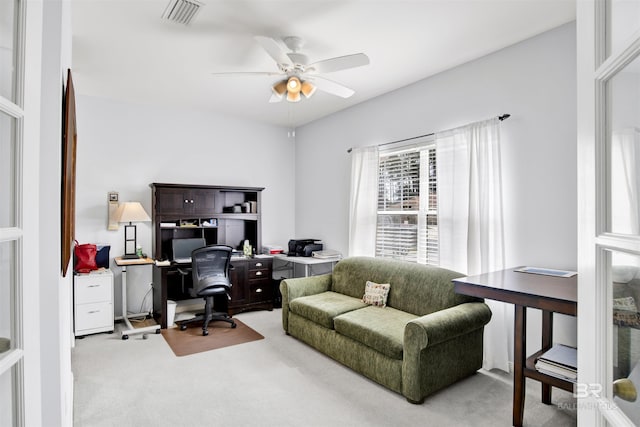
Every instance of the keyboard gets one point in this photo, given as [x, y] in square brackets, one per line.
[182, 260]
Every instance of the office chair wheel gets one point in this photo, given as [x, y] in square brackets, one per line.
[157, 331]
[205, 333]
[183, 327]
[125, 337]
[233, 326]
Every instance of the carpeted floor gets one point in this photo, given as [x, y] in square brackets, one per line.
[275, 381]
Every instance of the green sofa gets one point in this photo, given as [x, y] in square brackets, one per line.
[426, 337]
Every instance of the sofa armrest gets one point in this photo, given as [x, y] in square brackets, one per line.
[428, 366]
[445, 324]
[300, 287]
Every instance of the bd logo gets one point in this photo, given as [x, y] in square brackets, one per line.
[582, 390]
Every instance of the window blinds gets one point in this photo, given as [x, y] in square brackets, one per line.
[407, 211]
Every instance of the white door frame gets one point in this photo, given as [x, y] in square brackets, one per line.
[595, 330]
[30, 201]
[25, 353]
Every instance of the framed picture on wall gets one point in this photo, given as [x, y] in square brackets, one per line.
[68, 202]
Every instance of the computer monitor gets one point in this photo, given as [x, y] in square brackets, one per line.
[182, 249]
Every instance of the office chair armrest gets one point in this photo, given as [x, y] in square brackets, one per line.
[184, 272]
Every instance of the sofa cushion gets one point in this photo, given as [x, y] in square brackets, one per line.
[322, 308]
[379, 328]
[415, 288]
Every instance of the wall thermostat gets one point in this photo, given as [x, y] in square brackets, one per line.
[112, 198]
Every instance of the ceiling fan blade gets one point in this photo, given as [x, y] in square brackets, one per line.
[248, 73]
[275, 98]
[298, 58]
[332, 87]
[339, 63]
[274, 50]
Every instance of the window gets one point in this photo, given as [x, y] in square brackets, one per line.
[407, 217]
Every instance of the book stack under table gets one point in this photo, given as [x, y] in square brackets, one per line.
[559, 361]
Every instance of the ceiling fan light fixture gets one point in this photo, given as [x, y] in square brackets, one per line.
[293, 96]
[294, 68]
[280, 88]
[307, 89]
[293, 85]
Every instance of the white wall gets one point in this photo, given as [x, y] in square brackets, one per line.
[56, 316]
[534, 81]
[124, 147]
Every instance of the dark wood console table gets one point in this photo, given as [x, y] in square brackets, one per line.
[547, 293]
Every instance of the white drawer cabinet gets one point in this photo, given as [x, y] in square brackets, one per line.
[93, 302]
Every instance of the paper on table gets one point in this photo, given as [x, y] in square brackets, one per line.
[546, 271]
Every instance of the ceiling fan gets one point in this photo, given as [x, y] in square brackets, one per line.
[298, 75]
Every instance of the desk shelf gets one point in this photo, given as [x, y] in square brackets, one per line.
[530, 371]
[241, 216]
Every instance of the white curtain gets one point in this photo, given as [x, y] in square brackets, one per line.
[625, 159]
[363, 201]
[470, 223]
[625, 186]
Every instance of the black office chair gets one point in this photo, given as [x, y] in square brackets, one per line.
[210, 272]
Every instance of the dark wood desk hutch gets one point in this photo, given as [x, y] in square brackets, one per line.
[220, 215]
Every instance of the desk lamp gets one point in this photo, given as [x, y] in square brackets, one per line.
[131, 212]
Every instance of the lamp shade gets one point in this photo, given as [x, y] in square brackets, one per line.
[132, 212]
[293, 85]
[307, 89]
[280, 88]
[293, 96]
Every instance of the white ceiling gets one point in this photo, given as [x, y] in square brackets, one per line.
[122, 49]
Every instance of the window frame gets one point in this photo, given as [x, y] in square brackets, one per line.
[426, 215]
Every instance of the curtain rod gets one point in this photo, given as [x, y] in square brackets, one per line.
[501, 118]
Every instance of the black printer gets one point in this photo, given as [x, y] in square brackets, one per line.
[304, 247]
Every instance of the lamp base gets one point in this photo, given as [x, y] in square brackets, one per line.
[130, 256]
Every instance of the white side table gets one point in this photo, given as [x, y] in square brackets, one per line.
[308, 263]
[130, 330]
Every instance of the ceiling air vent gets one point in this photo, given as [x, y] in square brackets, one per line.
[181, 11]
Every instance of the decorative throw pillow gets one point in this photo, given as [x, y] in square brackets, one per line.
[376, 294]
